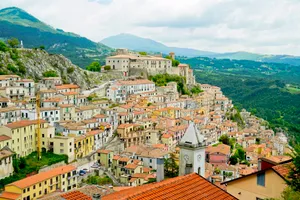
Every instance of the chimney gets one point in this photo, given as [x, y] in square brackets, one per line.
[96, 196]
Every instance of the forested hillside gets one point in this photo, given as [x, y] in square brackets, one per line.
[16, 23]
[262, 88]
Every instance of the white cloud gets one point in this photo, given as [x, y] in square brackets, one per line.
[268, 26]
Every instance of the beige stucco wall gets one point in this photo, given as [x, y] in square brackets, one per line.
[249, 190]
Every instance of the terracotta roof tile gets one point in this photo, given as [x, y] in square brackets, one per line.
[4, 137]
[10, 195]
[283, 169]
[23, 123]
[75, 195]
[104, 151]
[26, 182]
[186, 187]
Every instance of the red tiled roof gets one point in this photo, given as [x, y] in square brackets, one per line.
[191, 186]
[75, 195]
[131, 166]
[24, 123]
[26, 182]
[9, 195]
[67, 86]
[4, 137]
[283, 170]
[104, 151]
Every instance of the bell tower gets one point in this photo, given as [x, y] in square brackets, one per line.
[192, 152]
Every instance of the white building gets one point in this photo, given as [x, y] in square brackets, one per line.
[192, 152]
[119, 91]
[152, 64]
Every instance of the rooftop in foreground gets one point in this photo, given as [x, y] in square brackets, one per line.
[191, 186]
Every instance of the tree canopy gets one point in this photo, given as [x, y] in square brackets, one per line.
[13, 42]
[94, 67]
[3, 46]
[50, 73]
[293, 179]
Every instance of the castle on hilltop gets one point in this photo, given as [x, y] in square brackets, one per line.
[133, 63]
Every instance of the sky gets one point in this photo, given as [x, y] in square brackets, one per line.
[259, 26]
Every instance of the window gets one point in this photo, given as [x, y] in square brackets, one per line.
[261, 179]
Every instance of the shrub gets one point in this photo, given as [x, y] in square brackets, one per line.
[3, 47]
[22, 68]
[143, 53]
[70, 70]
[107, 67]
[12, 68]
[13, 42]
[50, 73]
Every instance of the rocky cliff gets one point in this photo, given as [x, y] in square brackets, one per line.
[32, 63]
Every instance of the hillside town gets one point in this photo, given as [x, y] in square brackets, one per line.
[132, 137]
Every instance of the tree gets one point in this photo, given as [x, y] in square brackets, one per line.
[50, 73]
[107, 67]
[240, 154]
[3, 47]
[175, 63]
[233, 160]
[12, 68]
[22, 163]
[257, 140]
[13, 42]
[143, 53]
[224, 139]
[290, 194]
[94, 67]
[171, 167]
[196, 90]
[293, 178]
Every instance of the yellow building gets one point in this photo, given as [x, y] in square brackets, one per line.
[83, 145]
[63, 145]
[23, 135]
[105, 157]
[263, 184]
[170, 112]
[167, 139]
[131, 134]
[61, 178]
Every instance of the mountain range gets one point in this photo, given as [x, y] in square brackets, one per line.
[136, 43]
[15, 22]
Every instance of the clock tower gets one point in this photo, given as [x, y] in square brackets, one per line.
[192, 152]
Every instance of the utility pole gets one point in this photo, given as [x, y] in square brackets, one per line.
[38, 130]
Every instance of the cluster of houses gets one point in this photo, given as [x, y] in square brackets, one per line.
[129, 131]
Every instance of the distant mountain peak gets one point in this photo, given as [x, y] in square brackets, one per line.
[133, 42]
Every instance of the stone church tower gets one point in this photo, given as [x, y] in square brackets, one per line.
[192, 152]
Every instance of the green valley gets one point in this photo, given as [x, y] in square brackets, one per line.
[268, 90]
